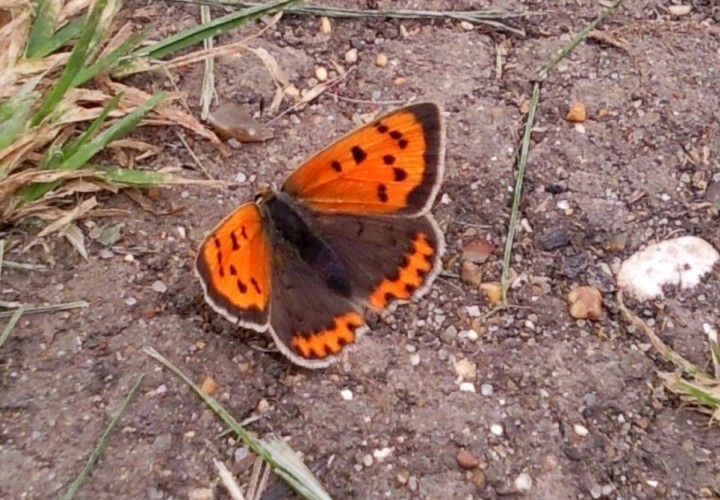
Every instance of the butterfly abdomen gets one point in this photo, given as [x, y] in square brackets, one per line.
[291, 227]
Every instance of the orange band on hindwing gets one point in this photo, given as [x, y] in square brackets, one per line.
[327, 341]
[411, 274]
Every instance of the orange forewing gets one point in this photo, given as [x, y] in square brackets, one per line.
[392, 165]
[233, 265]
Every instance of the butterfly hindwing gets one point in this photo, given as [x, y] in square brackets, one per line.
[309, 321]
[233, 265]
[392, 165]
[387, 258]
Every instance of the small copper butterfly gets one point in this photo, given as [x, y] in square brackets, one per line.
[350, 228]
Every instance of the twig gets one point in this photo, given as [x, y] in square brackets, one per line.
[396, 102]
[312, 94]
[2, 255]
[9, 264]
[43, 309]
[195, 158]
[208, 84]
[11, 324]
[657, 343]
[228, 481]
[102, 442]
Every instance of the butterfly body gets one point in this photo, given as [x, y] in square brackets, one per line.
[349, 229]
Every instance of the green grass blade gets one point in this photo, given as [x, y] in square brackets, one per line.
[110, 59]
[76, 62]
[11, 324]
[18, 109]
[56, 154]
[517, 194]
[59, 39]
[75, 144]
[115, 131]
[89, 149]
[211, 29]
[102, 442]
[51, 308]
[42, 27]
[138, 178]
[286, 464]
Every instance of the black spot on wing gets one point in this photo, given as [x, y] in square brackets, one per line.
[400, 174]
[335, 165]
[388, 159]
[358, 154]
[255, 284]
[382, 193]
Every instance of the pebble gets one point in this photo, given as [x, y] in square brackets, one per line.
[466, 25]
[106, 254]
[412, 483]
[478, 478]
[321, 74]
[241, 454]
[577, 112]
[553, 239]
[467, 387]
[581, 430]
[346, 394]
[209, 386]
[679, 10]
[523, 482]
[325, 26]
[585, 302]
[415, 359]
[477, 251]
[471, 274]
[382, 454]
[367, 460]
[263, 406]
[449, 334]
[201, 494]
[473, 311]
[496, 429]
[381, 60]
[159, 286]
[351, 56]
[596, 491]
[130, 301]
[466, 460]
[472, 335]
[493, 291]
[466, 369]
[487, 390]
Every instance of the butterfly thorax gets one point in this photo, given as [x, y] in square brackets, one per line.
[290, 223]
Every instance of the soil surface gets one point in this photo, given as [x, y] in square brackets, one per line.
[562, 408]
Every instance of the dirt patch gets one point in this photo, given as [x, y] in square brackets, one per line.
[636, 171]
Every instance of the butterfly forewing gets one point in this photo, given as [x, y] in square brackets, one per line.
[392, 165]
[233, 265]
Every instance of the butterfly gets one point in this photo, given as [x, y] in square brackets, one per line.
[349, 229]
